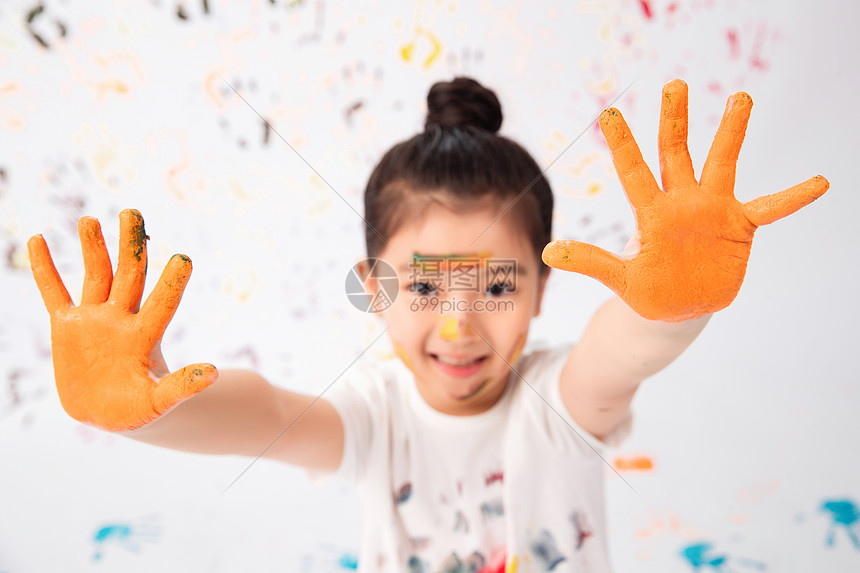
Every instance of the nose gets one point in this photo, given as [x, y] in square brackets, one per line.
[451, 328]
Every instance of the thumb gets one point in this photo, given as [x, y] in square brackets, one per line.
[181, 385]
[586, 259]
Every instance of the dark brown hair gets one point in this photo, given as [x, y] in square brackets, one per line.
[458, 161]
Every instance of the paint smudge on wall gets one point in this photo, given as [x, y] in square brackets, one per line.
[128, 536]
[843, 515]
[37, 16]
[634, 463]
[423, 47]
[330, 559]
[756, 493]
[701, 556]
[655, 523]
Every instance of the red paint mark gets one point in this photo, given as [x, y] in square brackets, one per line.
[496, 562]
[494, 477]
[403, 493]
[672, 7]
[459, 488]
[583, 531]
[715, 87]
[646, 8]
[734, 45]
[756, 59]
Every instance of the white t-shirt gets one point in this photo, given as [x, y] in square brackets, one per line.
[520, 482]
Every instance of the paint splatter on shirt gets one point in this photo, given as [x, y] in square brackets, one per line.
[518, 487]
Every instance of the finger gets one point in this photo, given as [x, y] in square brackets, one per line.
[99, 273]
[718, 174]
[51, 286]
[676, 166]
[181, 385]
[127, 288]
[588, 260]
[162, 302]
[636, 178]
[765, 210]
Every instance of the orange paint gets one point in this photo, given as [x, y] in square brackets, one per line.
[401, 353]
[694, 236]
[518, 348]
[106, 352]
[641, 463]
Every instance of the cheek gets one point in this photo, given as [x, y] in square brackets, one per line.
[517, 349]
[403, 355]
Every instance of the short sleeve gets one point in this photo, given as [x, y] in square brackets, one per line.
[356, 402]
[545, 368]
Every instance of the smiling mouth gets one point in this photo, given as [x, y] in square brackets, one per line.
[460, 367]
[451, 361]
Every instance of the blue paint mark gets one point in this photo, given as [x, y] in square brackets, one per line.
[843, 514]
[491, 509]
[327, 557]
[121, 532]
[348, 561]
[416, 565]
[699, 556]
[127, 536]
[546, 551]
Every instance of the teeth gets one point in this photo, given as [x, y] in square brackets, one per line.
[456, 362]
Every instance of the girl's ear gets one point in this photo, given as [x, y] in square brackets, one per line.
[371, 284]
[541, 289]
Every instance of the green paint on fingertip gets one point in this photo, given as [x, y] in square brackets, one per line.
[138, 239]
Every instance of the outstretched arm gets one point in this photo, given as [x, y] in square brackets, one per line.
[618, 350]
[110, 373]
[689, 256]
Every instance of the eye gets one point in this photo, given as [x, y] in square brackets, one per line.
[498, 289]
[421, 288]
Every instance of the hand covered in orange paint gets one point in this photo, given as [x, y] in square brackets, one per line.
[106, 351]
[694, 237]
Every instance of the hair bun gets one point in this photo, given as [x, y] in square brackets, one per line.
[461, 102]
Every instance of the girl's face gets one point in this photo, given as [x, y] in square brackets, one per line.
[461, 316]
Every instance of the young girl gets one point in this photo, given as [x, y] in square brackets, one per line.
[468, 456]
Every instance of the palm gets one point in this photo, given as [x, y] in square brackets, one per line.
[107, 360]
[695, 237]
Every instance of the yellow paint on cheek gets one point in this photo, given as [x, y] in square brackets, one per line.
[450, 329]
[401, 353]
[512, 566]
[518, 348]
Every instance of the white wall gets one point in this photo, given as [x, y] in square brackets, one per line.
[750, 431]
